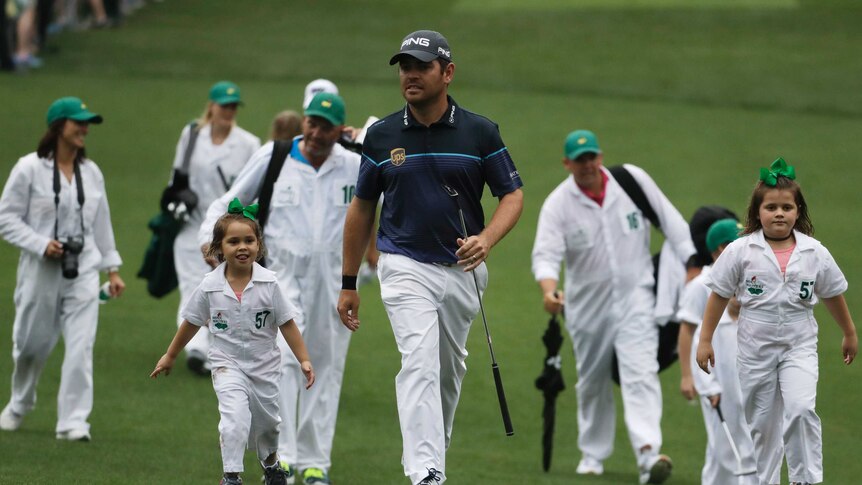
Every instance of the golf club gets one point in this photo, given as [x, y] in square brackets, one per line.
[501, 395]
[739, 468]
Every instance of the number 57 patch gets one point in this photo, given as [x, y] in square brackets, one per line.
[806, 289]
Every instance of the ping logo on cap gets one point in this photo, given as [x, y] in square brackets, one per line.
[416, 41]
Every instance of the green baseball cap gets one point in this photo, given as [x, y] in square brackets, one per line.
[722, 231]
[328, 106]
[73, 109]
[579, 142]
[225, 92]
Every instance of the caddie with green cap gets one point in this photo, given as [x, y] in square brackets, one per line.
[73, 109]
[329, 106]
[596, 226]
[225, 92]
[722, 232]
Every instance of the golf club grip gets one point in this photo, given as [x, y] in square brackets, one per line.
[501, 395]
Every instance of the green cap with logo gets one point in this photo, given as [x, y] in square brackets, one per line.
[225, 92]
[722, 231]
[73, 109]
[328, 106]
[579, 142]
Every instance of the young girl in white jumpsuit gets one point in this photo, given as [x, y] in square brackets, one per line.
[778, 273]
[220, 152]
[720, 388]
[55, 196]
[244, 308]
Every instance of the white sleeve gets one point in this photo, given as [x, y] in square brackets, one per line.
[103, 230]
[180, 151]
[14, 206]
[830, 280]
[673, 225]
[246, 188]
[197, 308]
[549, 247]
[693, 302]
[669, 285]
[724, 277]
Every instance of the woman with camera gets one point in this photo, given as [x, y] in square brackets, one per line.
[210, 154]
[55, 209]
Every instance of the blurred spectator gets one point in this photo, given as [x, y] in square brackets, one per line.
[285, 126]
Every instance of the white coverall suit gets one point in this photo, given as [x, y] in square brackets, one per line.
[777, 355]
[46, 304]
[719, 463]
[304, 235]
[246, 362]
[204, 180]
[609, 302]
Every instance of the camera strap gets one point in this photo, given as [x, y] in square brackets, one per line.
[80, 186]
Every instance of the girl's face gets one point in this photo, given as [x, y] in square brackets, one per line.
[240, 245]
[778, 213]
[73, 133]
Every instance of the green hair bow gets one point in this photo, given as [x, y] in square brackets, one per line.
[779, 168]
[236, 207]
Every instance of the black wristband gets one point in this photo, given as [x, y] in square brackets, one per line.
[348, 282]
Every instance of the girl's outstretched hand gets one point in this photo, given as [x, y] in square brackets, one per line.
[166, 363]
[849, 347]
[705, 356]
[309, 373]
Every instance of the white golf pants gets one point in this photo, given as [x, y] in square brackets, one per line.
[778, 372]
[47, 306]
[309, 415]
[627, 327]
[430, 308]
[248, 407]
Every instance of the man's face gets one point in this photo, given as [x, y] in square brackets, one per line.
[423, 82]
[587, 169]
[319, 135]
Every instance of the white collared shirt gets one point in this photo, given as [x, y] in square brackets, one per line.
[749, 269]
[606, 249]
[244, 331]
[27, 212]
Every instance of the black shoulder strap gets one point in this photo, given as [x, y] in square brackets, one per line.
[190, 146]
[280, 150]
[635, 193]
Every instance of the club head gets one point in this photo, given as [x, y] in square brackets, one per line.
[449, 190]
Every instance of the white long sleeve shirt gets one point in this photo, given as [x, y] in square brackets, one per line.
[308, 206]
[27, 212]
[606, 249]
[208, 159]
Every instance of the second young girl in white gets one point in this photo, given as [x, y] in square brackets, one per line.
[778, 273]
[244, 308]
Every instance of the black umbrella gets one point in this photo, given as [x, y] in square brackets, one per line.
[550, 382]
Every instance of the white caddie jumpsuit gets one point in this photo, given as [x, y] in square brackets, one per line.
[719, 462]
[205, 181]
[777, 355]
[304, 235]
[46, 304]
[246, 361]
[609, 302]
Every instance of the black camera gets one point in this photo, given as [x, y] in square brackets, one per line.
[69, 262]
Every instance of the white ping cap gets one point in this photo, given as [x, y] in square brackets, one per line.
[316, 87]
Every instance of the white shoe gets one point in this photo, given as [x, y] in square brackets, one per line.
[74, 435]
[654, 468]
[590, 466]
[10, 420]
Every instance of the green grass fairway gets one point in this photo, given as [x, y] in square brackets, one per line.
[701, 97]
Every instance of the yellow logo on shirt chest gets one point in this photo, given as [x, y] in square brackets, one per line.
[398, 155]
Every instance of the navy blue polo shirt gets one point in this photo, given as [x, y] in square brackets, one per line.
[409, 163]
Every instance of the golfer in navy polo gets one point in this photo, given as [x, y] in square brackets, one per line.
[411, 157]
